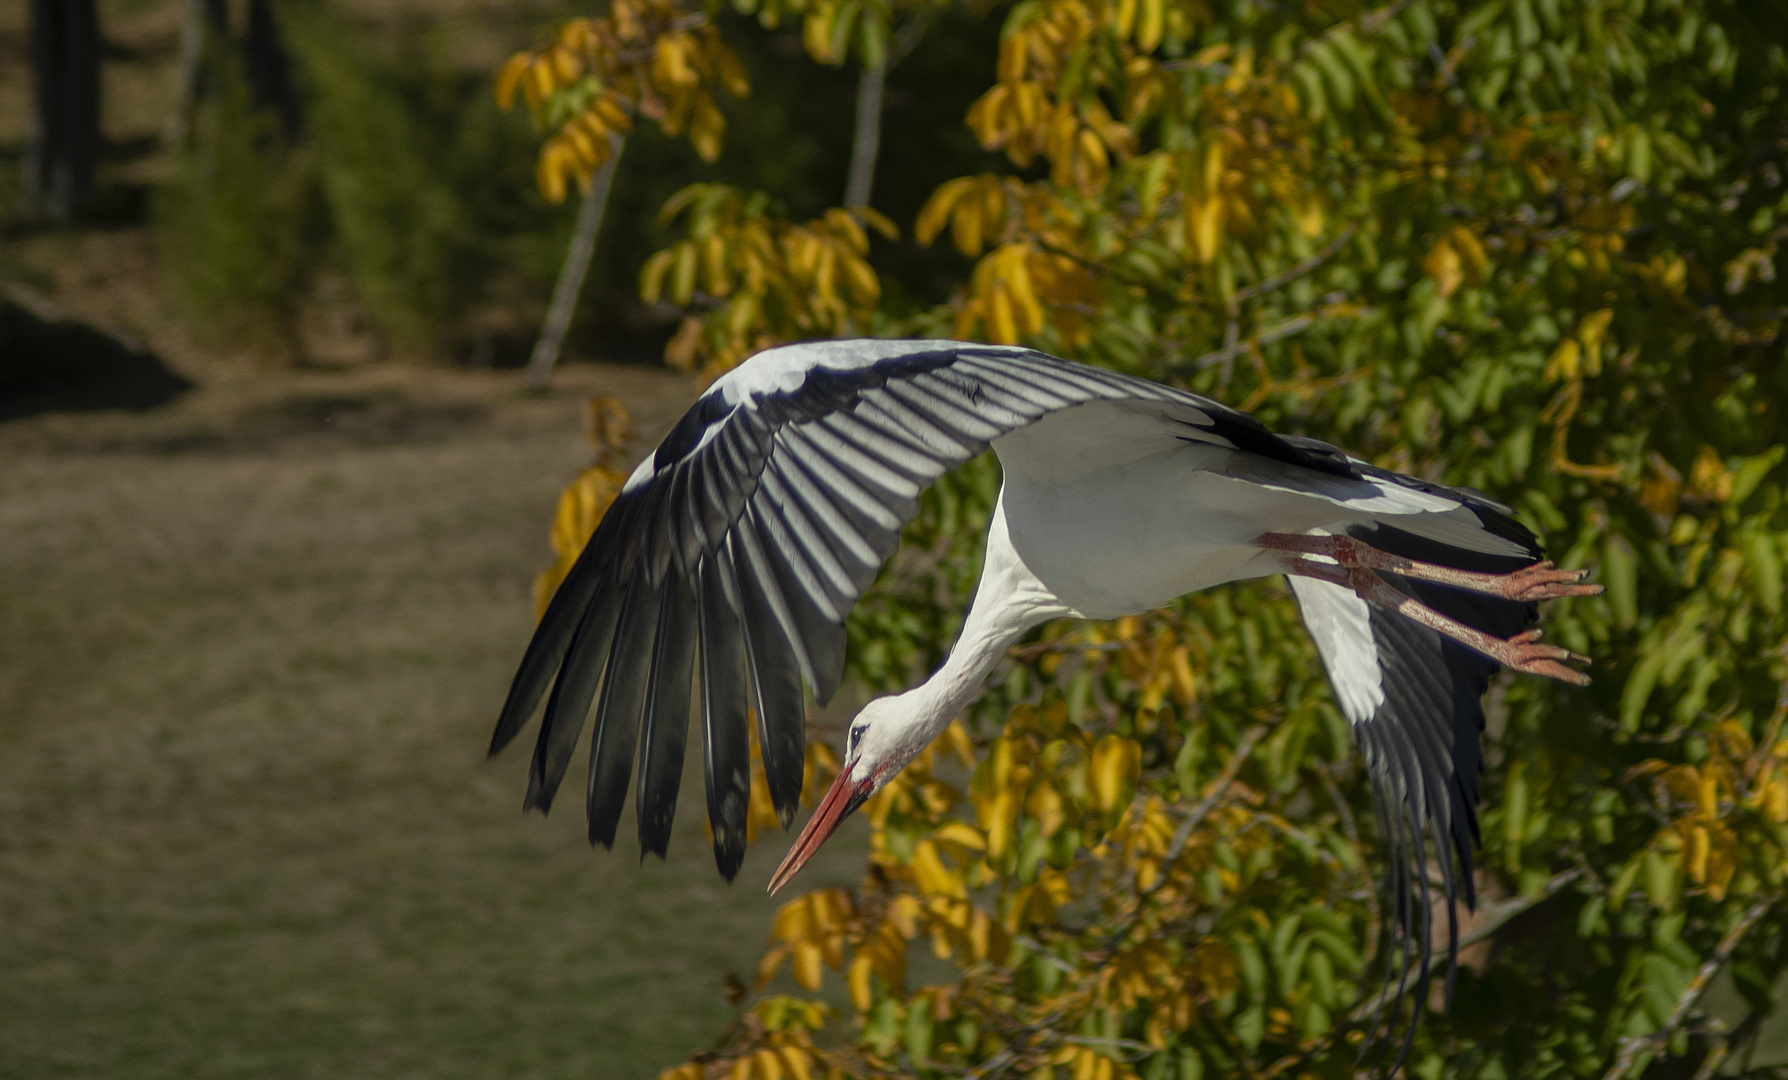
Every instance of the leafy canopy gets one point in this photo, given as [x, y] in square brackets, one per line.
[1523, 245]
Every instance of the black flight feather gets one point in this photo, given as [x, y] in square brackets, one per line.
[621, 708]
[725, 719]
[1422, 750]
[776, 684]
[573, 691]
[667, 716]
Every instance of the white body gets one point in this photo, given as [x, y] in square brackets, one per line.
[1105, 511]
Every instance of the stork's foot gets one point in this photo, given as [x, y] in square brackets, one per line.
[1541, 581]
[1524, 653]
[1544, 581]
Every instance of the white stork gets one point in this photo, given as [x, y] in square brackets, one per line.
[735, 551]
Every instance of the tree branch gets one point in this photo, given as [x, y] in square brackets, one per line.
[1494, 916]
[1209, 802]
[1633, 1045]
[1285, 277]
[1294, 325]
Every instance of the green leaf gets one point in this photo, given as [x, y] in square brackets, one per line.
[1751, 472]
[1620, 575]
[1765, 564]
[1637, 691]
[919, 1030]
[1250, 1026]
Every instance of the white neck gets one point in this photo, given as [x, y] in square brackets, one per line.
[1009, 601]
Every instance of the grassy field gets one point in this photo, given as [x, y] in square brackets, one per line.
[251, 646]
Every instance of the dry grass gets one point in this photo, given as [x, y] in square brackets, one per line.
[250, 650]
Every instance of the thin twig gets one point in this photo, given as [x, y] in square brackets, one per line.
[1286, 277]
[1138, 1048]
[1209, 802]
[993, 1066]
[1633, 1045]
[1297, 324]
[1716, 1056]
[1352, 833]
[1494, 916]
[1036, 649]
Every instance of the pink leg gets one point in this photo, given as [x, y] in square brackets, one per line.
[1521, 652]
[1541, 581]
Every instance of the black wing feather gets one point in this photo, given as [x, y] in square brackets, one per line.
[775, 663]
[1421, 746]
[667, 717]
[621, 707]
[725, 719]
[573, 691]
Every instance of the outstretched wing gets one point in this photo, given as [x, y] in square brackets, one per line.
[1415, 700]
[734, 553]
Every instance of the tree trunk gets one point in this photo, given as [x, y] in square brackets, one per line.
[571, 275]
[269, 67]
[63, 146]
[205, 19]
[867, 142]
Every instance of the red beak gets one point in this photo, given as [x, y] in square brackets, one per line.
[842, 799]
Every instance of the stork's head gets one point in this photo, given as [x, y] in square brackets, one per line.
[882, 739]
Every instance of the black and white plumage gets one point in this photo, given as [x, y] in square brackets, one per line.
[735, 551]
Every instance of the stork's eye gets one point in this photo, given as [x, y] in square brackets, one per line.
[856, 736]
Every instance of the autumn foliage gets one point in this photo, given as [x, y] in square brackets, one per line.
[1522, 245]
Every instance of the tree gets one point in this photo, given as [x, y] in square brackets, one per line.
[63, 147]
[645, 58]
[1523, 245]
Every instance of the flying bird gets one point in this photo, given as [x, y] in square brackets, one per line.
[734, 552]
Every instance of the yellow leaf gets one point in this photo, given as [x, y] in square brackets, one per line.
[805, 965]
[651, 279]
[962, 835]
[932, 876]
[1695, 853]
[858, 981]
[998, 814]
[1001, 327]
[903, 915]
[1116, 764]
[1185, 687]
[1563, 366]
[1148, 29]
[1709, 476]
[1775, 800]
[1210, 54]
[1471, 253]
[936, 212]
[1442, 264]
[1308, 217]
[1045, 807]
[1204, 219]
[766, 1063]
[550, 172]
[509, 78]
[797, 1061]
[541, 84]
[1590, 331]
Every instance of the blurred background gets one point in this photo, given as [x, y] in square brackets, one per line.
[271, 507]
